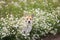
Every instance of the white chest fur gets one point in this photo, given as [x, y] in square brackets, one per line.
[26, 30]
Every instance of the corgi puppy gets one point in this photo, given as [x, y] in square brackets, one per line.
[28, 20]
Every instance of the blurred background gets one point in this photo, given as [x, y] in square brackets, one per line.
[46, 18]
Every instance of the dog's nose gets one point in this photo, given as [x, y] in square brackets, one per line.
[28, 21]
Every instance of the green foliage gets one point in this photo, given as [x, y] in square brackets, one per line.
[46, 18]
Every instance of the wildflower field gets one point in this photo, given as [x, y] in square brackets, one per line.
[46, 18]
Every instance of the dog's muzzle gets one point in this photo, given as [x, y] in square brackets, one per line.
[28, 21]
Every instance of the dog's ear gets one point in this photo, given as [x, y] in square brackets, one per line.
[32, 15]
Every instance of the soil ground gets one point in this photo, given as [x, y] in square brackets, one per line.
[52, 37]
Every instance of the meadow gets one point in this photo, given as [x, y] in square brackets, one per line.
[46, 18]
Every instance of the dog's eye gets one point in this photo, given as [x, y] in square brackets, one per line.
[30, 19]
[27, 18]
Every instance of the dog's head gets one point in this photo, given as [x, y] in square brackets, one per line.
[29, 19]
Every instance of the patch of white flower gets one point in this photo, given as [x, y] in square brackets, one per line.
[35, 36]
[33, 2]
[43, 22]
[2, 2]
[23, 1]
[15, 3]
[0, 6]
[7, 24]
[55, 1]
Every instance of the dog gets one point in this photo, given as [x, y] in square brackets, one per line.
[27, 23]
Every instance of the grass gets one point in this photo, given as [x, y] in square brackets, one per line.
[45, 11]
